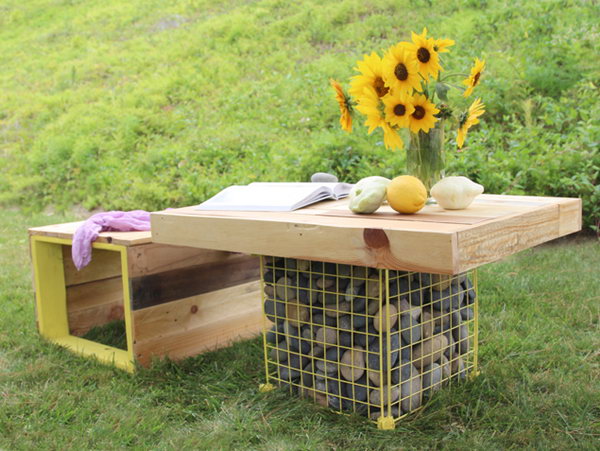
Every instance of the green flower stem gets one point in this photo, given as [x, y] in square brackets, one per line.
[425, 158]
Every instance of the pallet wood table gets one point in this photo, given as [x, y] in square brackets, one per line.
[433, 240]
[175, 301]
[371, 314]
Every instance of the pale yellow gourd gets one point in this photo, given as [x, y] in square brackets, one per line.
[456, 192]
[368, 194]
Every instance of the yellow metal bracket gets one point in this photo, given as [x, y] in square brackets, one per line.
[386, 423]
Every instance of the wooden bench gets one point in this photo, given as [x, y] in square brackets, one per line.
[175, 301]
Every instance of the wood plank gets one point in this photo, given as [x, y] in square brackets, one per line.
[94, 294]
[373, 246]
[154, 258]
[325, 231]
[185, 282]
[67, 230]
[104, 265]
[82, 320]
[570, 216]
[495, 240]
[393, 216]
[200, 323]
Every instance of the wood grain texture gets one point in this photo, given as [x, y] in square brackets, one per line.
[94, 304]
[82, 320]
[154, 258]
[313, 242]
[495, 240]
[200, 323]
[492, 227]
[95, 293]
[67, 230]
[104, 265]
[168, 286]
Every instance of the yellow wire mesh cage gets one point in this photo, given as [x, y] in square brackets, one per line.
[372, 341]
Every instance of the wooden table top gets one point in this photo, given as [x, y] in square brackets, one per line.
[432, 240]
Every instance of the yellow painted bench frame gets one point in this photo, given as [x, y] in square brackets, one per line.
[51, 302]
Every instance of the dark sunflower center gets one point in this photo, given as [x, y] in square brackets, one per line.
[419, 112]
[401, 72]
[380, 87]
[476, 78]
[423, 55]
[399, 110]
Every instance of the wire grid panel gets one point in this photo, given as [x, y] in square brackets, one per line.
[372, 341]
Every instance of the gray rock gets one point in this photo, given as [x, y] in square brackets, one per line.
[432, 377]
[402, 373]
[360, 339]
[318, 319]
[387, 313]
[389, 395]
[296, 362]
[317, 351]
[275, 310]
[345, 339]
[351, 293]
[279, 353]
[360, 389]
[326, 283]
[307, 332]
[330, 363]
[374, 354]
[410, 391]
[467, 314]
[411, 329]
[326, 335]
[352, 364]
[419, 297]
[461, 336]
[443, 300]
[288, 374]
[284, 289]
[272, 335]
[289, 263]
[471, 295]
[308, 374]
[323, 177]
[359, 321]
[345, 323]
[457, 367]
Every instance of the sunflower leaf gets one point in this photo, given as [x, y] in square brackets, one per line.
[441, 89]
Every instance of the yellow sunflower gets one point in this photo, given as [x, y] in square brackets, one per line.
[369, 105]
[400, 69]
[370, 75]
[427, 58]
[391, 138]
[422, 118]
[440, 45]
[345, 107]
[469, 119]
[474, 77]
[398, 108]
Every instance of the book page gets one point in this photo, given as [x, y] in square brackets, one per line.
[267, 197]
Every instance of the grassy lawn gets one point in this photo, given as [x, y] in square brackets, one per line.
[539, 385]
[177, 100]
[151, 104]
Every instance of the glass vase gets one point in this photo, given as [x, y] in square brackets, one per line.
[425, 158]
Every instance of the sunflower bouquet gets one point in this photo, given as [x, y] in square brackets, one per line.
[407, 90]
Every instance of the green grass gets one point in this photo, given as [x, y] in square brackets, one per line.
[539, 385]
[150, 104]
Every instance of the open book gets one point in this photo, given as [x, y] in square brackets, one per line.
[264, 196]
